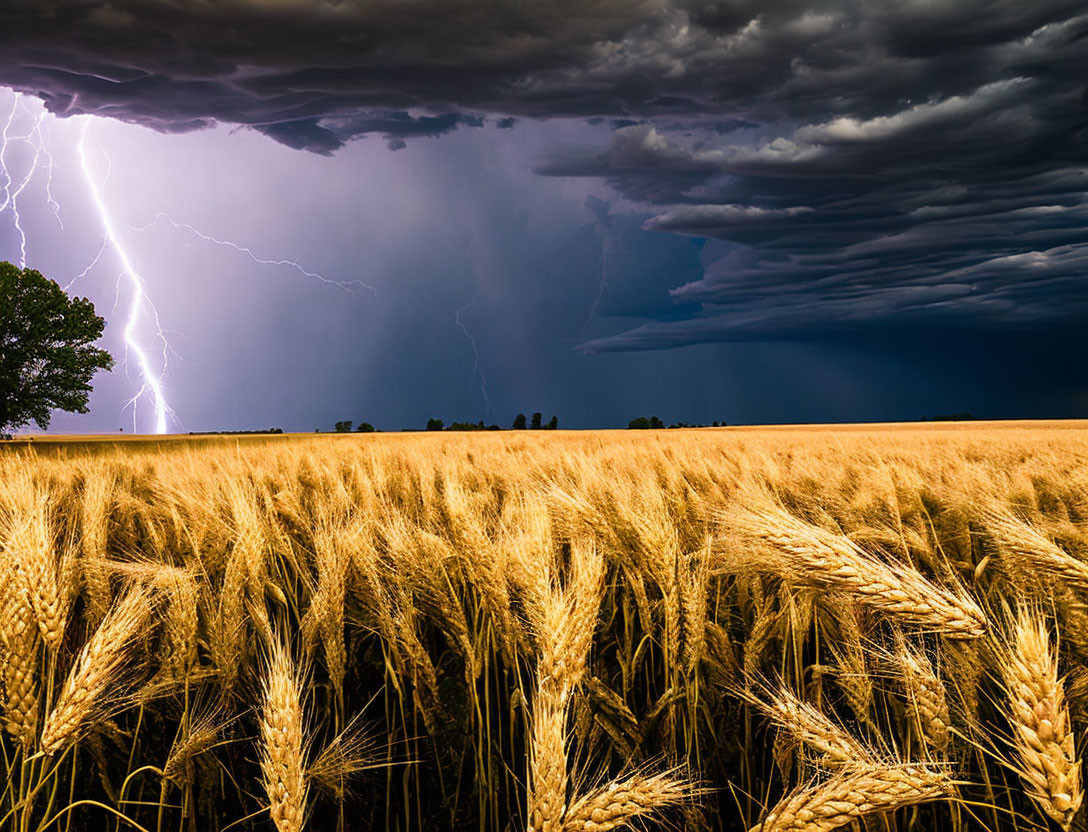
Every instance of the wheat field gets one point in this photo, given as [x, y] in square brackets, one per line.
[869, 627]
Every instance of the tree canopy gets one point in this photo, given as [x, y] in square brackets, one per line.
[47, 352]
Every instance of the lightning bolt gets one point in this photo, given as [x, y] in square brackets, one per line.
[93, 263]
[477, 370]
[151, 381]
[347, 285]
[477, 260]
[5, 141]
[602, 284]
[141, 313]
[12, 190]
[610, 245]
[50, 168]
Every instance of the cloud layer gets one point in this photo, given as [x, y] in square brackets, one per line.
[917, 165]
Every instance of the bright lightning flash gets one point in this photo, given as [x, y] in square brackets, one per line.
[151, 380]
[141, 310]
[13, 187]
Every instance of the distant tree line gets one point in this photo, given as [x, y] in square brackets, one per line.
[533, 422]
[949, 417]
[345, 427]
[654, 423]
[520, 423]
[536, 423]
[438, 424]
[233, 432]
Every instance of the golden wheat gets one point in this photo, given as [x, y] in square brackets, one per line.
[283, 744]
[805, 552]
[927, 703]
[545, 632]
[623, 801]
[1043, 740]
[92, 686]
[856, 793]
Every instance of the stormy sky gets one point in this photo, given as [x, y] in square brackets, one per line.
[739, 211]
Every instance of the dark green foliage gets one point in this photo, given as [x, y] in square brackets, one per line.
[642, 423]
[344, 427]
[553, 423]
[435, 424]
[47, 357]
[537, 417]
[365, 427]
[519, 422]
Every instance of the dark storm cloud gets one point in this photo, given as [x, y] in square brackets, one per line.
[859, 165]
[340, 63]
[959, 209]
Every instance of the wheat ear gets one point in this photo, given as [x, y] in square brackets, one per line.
[801, 552]
[282, 742]
[32, 548]
[622, 801]
[564, 619]
[806, 723]
[1045, 756]
[19, 642]
[92, 684]
[1031, 551]
[927, 703]
[855, 793]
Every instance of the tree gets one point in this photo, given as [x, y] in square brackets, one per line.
[641, 423]
[343, 427]
[519, 422]
[435, 424]
[47, 357]
[536, 420]
[553, 423]
[365, 427]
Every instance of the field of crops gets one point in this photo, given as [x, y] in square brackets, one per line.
[884, 628]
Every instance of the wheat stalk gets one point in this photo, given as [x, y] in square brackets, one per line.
[95, 505]
[806, 723]
[927, 704]
[31, 547]
[1044, 747]
[617, 804]
[93, 683]
[851, 659]
[548, 762]
[19, 642]
[350, 752]
[801, 552]
[855, 793]
[282, 741]
[1032, 552]
[202, 732]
